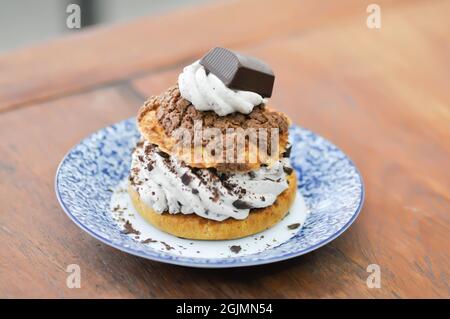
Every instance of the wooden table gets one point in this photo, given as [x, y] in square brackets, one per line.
[382, 95]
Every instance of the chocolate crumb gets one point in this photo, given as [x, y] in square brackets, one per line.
[235, 249]
[148, 241]
[149, 166]
[216, 194]
[166, 245]
[251, 174]
[129, 229]
[226, 182]
[294, 226]
[140, 143]
[195, 191]
[149, 149]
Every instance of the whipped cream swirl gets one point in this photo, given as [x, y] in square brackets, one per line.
[169, 185]
[207, 92]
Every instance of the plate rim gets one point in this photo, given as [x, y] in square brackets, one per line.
[192, 263]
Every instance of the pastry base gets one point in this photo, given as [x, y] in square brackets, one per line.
[193, 226]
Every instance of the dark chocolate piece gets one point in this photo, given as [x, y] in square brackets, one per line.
[287, 170]
[240, 204]
[239, 71]
[163, 155]
[294, 226]
[235, 249]
[287, 152]
[186, 179]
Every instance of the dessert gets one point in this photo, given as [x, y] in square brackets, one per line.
[213, 160]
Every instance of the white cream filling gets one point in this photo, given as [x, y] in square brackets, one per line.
[207, 92]
[160, 183]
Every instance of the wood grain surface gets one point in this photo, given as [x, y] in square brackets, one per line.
[382, 95]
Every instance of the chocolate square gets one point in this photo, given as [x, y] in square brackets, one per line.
[239, 71]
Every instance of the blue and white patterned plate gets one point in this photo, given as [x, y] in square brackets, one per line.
[88, 177]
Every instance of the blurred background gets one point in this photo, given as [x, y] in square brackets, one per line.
[36, 21]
